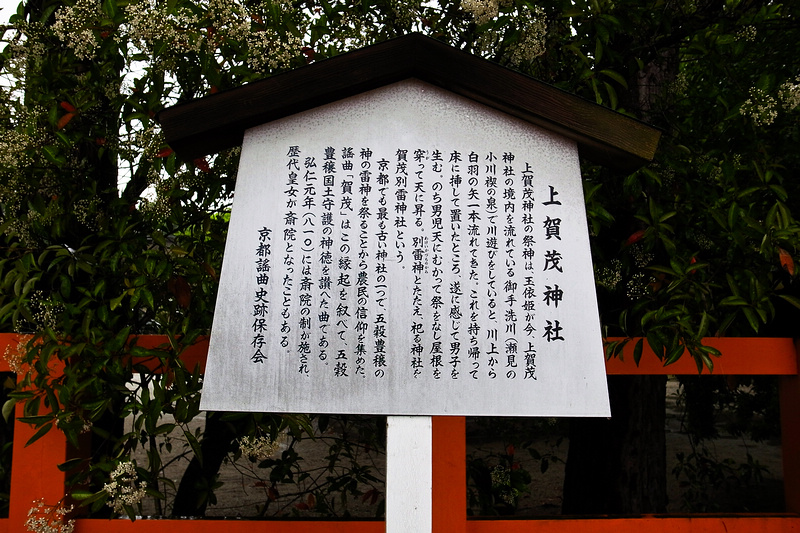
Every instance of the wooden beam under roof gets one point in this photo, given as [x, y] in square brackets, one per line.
[216, 122]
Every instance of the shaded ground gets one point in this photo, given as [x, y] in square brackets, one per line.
[495, 469]
[722, 461]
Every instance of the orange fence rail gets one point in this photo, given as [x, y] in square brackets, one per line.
[34, 474]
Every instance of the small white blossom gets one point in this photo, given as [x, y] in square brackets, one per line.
[679, 85]
[609, 277]
[269, 50]
[483, 11]
[13, 149]
[14, 357]
[125, 489]
[748, 34]
[640, 256]
[85, 212]
[74, 26]
[761, 107]
[49, 519]
[45, 311]
[533, 29]
[259, 448]
[789, 94]
[501, 481]
[151, 23]
[638, 285]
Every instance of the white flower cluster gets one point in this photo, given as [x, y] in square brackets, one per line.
[748, 34]
[151, 23]
[500, 476]
[716, 175]
[483, 11]
[44, 311]
[703, 241]
[14, 190]
[269, 50]
[761, 107]
[25, 49]
[23, 135]
[13, 147]
[529, 22]
[353, 30]
[146, 141]
[158, 205]
[533, 28]
[789, 93]
[407, 12]
[641, 257]
[637, 286]
[49, 519]
[147, 23]
[14, 357]
[609, 277]
[501, 479]
[259, 448]
[679, 84]
[86, 212]
[229, 18]
[74, 26]
[125, 489]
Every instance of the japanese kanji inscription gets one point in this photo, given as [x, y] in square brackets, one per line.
[407, 251]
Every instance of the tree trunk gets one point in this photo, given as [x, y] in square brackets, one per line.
[618, 465]
[196, 489]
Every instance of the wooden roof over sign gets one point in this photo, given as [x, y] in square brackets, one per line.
[218, 121]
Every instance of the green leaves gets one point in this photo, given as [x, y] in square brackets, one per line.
[701, 242]
[41, 432]
[751, 298]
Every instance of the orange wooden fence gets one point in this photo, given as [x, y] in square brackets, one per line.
[34, 474]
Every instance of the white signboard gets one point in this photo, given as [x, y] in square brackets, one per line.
[407, 251]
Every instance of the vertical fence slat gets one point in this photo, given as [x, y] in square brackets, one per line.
[408, 474]
[449, 474]
[790, 438]
[34, 471]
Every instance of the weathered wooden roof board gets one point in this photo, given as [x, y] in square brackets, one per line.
[218, 121]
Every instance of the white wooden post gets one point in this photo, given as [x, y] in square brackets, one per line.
[409, 480]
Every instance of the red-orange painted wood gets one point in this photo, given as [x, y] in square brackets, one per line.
[740, 356]
[654, 524]
[790, 439]
[191, 355]
[8, 344]
[35, 474]
[659, 524]
[449, 474]
[34, 471]
[727, 524]
[228, 526]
